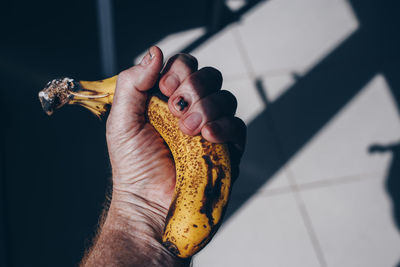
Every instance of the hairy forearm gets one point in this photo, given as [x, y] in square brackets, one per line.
[116, 248]
[128, 237]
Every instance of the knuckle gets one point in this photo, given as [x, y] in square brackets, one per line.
[229, 98]
[241, 130]
[207, 79]
[209, 109]
[123, 77]
[193, 81]
[188, 60]
[241, 125]
[126, 76]
[213, 72]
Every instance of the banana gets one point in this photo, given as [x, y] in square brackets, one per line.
[203, 170]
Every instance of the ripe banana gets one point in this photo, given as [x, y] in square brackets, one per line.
[203, 170]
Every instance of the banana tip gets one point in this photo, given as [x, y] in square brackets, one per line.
[171, 247]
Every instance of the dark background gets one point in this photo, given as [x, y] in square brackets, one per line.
[55, 171]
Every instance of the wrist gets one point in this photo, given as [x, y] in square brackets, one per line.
[139, 225]
[131, 213]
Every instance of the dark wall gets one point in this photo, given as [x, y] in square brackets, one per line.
[54, 170]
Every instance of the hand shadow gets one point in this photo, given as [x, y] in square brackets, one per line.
[392, 183]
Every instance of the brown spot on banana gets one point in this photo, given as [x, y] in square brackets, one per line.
[203, 170]
[202, 187]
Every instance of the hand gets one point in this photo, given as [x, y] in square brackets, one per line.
[143, 170]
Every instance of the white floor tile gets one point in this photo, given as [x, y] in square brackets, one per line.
[173, 43]
[276, 85]
[276, 182]
[267, 231]
[222, 52]
[353, 224]
[340, 149]
[294, 35]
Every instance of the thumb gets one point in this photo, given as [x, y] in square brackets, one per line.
[129, 103]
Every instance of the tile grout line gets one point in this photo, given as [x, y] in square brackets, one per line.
[293, 186]
[306, 219]
[243, 53]
[249, 66]
[337, 181]
[243, 76]
[263, 94]
[316, 184]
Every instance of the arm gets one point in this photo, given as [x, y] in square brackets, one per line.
[130, 241]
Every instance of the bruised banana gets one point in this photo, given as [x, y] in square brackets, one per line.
[203, 170]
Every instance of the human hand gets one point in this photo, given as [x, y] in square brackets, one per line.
[143, 170]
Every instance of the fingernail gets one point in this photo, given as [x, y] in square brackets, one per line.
[171, 82]
[151, 52]
[180, 104]
[192, 122]
[147, 59]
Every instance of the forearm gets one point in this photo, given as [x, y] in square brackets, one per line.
[130, 241]
[117, 248]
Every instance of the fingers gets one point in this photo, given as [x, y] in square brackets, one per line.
[195, 97]
[207, 109]
[226, 129]
[176, 70]
[129, 99]
[198, 85]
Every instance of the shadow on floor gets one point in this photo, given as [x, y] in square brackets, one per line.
[288, 123]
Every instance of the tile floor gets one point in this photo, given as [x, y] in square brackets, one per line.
[326, 205]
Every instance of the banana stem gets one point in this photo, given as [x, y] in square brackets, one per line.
[59, 92]
[89, 96]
